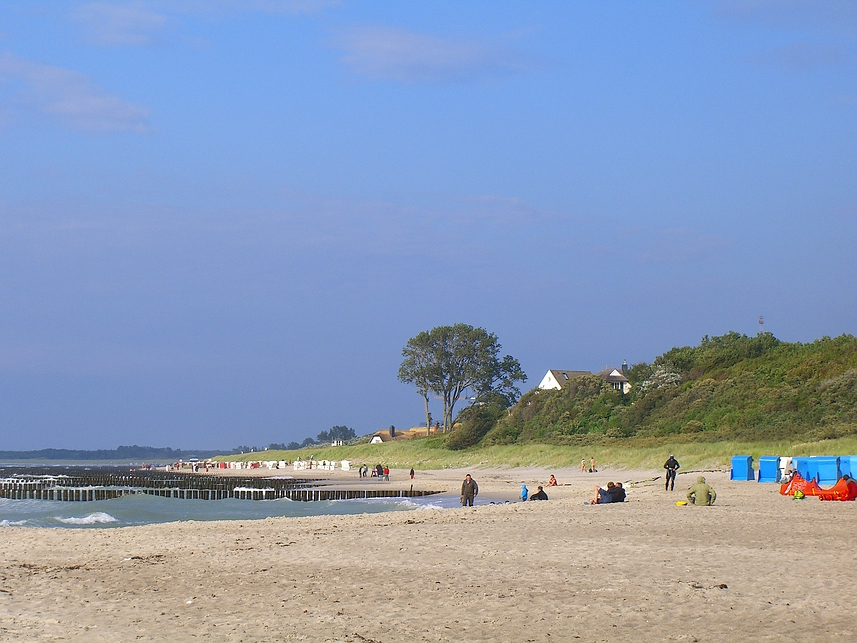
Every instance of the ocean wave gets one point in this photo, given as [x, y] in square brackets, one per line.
[12, 523]
[91, 519]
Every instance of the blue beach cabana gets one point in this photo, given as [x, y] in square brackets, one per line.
[769, 468]
[742, 468]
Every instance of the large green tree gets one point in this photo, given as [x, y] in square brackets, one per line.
[449, 360]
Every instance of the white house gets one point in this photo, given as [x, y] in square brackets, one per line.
[556, 379]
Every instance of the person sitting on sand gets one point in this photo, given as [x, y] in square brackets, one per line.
[524, 492]
[552, 482]
[701, 494]
[602, 496]
[539, 495]
[617, 494]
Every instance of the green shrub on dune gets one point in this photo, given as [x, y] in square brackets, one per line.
[731, 387]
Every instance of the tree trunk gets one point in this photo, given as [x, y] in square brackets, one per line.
[428, 415]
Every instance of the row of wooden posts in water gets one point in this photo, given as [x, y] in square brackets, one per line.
[104, 484]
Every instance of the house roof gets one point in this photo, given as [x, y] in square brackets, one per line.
[564, 376]
[608, 374]
[612, 375]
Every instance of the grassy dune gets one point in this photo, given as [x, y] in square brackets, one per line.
[428, 454]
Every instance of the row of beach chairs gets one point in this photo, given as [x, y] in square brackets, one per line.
[824, 469]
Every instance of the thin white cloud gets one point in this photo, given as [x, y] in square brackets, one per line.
[276, 6]
[395, 54]
[798, 56]
[212, 7]
[140, 22]
[118, 24]
[817, 15]
[66, 97]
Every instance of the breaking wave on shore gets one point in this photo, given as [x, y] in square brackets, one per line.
[145, 510]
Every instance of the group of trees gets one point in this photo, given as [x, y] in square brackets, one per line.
[337, 432]
[449, 361]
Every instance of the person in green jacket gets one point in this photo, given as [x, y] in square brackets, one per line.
[701, 494]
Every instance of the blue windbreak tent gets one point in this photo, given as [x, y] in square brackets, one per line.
[811, 468]
[828, 469]
[801, 465]
[848, 465]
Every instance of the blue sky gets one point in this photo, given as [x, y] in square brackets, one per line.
[221, 221]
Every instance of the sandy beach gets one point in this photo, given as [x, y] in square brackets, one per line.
[754, 567]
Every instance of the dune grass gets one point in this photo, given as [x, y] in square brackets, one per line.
[430, 454]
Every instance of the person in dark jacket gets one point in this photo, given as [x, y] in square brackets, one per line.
[672, 466]
[539, 495]
[617, 493]
[469, 490]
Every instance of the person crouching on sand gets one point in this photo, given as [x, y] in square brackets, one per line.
[525, 493]
[552, 482]
[539, 495]
[701, 494]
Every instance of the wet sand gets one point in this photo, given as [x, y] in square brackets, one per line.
[754, 567]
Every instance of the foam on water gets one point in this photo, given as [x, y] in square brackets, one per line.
[91, 519]
[141, 509]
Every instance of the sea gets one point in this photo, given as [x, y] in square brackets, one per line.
[142, 509]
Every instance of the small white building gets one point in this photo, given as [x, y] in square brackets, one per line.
[556, 379]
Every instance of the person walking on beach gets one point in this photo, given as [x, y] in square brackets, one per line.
[583, 465]
[412, 473]
[592, 468]
[671, 466]
[469, 490]
[387, 474]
